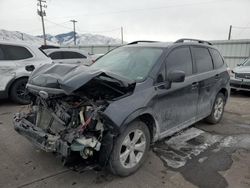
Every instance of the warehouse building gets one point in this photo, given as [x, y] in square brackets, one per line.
[234, 51]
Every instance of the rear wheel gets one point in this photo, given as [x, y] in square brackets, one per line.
[130, 149]
[218, 109]
[18, 93]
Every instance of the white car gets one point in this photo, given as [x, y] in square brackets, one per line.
[14, 56]
[69, 56]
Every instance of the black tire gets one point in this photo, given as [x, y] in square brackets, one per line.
[233, 90]
[115, 164]
[18, 93]
[213, 118]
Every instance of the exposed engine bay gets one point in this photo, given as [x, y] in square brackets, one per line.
[66, 124]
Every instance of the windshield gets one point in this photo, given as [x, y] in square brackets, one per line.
[247, 62]
[133, 63]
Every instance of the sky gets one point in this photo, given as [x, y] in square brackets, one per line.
[161, 20]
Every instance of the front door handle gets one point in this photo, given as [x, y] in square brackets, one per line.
[217, 76]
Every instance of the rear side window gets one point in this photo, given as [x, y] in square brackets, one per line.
[73, 55]
[14, 52]
[217, 59]
[203, 59]
[180, 59]
[1, 54]
[56, 55]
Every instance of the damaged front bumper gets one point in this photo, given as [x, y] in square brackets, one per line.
[41, 139]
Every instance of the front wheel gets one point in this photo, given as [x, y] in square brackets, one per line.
[130, 149]
[18, 91]
[218, 109]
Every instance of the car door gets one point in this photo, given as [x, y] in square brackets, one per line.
[7, 67]
[176, 105]
[207, 78]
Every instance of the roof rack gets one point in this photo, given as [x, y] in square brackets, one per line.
[194, 40]
[43, 47]
[141, 41]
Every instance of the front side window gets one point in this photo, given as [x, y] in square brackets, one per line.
[73, 55]
[218, 61]
[1, 54]
[15, 52]
[131, 62]
[203, 59]
[180, 59]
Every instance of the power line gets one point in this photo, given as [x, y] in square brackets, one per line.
[146, 9]
[238, 27]
[242, 29]
[83, 31]
[58, 24]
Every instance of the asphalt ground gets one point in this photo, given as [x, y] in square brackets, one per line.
[201, 156]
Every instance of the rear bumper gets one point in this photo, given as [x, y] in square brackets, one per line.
[240, 84]
[39, 138]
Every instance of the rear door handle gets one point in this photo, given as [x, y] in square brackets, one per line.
[195, 85]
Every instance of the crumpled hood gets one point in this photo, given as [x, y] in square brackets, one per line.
[70, 77]
[242, 69]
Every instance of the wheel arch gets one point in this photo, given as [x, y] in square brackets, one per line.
[145, 117]
[225, 92]
[10, 84]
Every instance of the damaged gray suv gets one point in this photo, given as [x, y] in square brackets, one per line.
[131, 97]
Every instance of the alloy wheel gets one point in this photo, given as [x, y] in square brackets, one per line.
[218, 108]
[133, 148]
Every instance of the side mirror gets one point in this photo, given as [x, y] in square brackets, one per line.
[176, 76]
[29, 68]
[239, 64]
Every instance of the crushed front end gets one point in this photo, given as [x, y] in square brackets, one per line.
[67, 110]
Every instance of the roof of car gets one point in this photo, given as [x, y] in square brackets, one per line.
[64, 50]
[152, 44]
[168, 44]
[17, 42]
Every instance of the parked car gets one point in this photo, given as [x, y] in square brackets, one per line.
[69, 55]
[240, 76]
[14, 56]
[95, 57]
[131, 97]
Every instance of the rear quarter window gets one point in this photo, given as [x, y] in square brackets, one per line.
[217, 59]
[56, 55]
[73, 55]
[12, 52]
[1, 54]
[202, 59]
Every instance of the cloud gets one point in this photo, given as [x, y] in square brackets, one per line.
[142, 19]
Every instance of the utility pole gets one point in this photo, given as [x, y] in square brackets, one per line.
[230, 32]
[74, 28]
[42, 4]
[122, 34]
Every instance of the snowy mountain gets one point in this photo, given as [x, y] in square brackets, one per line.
[81, 39]
[16, 35]
[65, 39]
